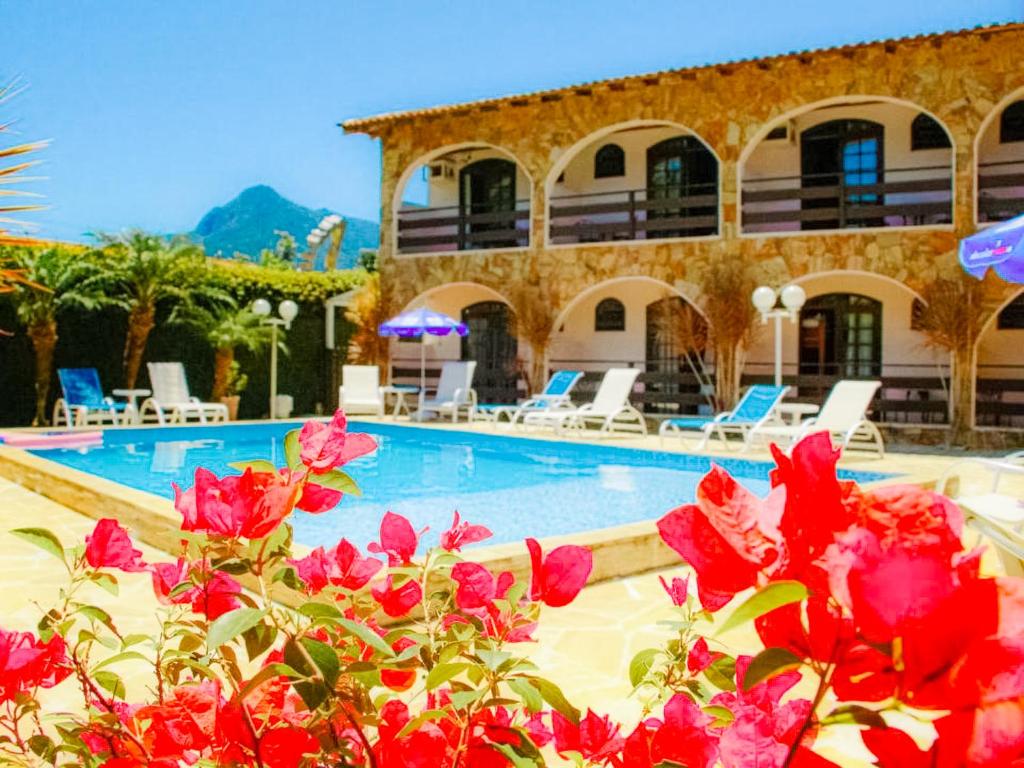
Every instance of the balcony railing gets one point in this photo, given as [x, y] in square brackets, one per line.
[906, 197]
[426, 230]
[633, 214]
[1000, 190]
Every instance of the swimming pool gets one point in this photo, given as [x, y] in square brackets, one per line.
[515, 487]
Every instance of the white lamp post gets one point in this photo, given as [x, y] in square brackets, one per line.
[764, 298]
[287, 310]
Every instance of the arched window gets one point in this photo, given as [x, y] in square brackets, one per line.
[845, 155]
[610, 315]
[841, 335]
[609, 161]
[926, 133]
[487, 204]
[492, 343]
[1012, 316]
[681, 170]
[1011, 123]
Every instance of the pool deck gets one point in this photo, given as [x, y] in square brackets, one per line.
[585, 647]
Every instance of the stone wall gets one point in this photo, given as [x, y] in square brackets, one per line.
[960, 78]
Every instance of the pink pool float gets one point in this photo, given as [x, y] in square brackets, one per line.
[38, 440]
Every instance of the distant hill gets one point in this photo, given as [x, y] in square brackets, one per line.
[247, 223]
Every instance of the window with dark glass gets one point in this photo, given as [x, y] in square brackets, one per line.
[926, 133]
[841, 335]
[610, 315]
[1011, 123]
[609, 161]
[1012, 316]
[845, 157]
[682, 189]
[487, 204]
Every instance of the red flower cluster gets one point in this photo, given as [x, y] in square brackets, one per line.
[896, 609]
[108, 546]
[27, 663]
[210, 592]
[340, 566]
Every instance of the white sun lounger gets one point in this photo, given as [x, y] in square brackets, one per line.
[360, 390]
[610, 408]
[843, 415]
[171, 402]
[454, 391]
[556, 395]
[995, 511]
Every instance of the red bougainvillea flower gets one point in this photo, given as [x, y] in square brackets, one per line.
[26, 663]
[398, 540]
[700, 658]
[340, 566]
[399, 679]
[894, 747]
[684, 737]
[728, 535]
[108, 546]
[558, 577]
[398, 601]
[251, 505]
[285, 747]
[326, 446]
[212, 593]
[596, 737]
[478, 588]
[317, 499]
[462, 533]
[677, 590]
[425, 747]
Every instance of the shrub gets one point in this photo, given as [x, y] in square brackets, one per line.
[866, 594]
[247, 281]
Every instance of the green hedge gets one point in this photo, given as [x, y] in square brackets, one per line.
[96, 339]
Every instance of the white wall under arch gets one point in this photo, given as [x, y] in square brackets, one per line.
[1001, 351]
[987, 147]
[904, 352]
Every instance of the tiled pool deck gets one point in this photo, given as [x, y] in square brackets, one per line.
[585, 647]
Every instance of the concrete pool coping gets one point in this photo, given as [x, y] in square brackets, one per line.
[621, 550]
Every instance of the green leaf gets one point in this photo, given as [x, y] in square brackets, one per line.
[442, 673]
[722, 673]
[462, 699]
[258, 639]
[526, 691]
[232, 624]
[768, 663]
[723, 715]
[111, 682]
[367, 635]
[325, 659]
[338, 481]
[292, 450]
[105, 581]
[43, 539]
[854, 714]
[420, 719]
[553, 696]
[768, 598]
[517, 760]
[256, 465]
[319, 611]
[119, 657]
[493, 659]
[641, 665]
[268, 672]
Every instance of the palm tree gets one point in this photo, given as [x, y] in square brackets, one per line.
[144, 271]
[228, 329]
[12, 174]
[51, 279]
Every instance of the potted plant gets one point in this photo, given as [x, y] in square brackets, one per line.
[236, 384]
[228, 328]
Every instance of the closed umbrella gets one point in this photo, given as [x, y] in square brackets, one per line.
[1000, 247]
[418, 322]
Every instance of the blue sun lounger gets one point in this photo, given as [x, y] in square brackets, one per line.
[555, 395]
[84, 401]
[754, 409]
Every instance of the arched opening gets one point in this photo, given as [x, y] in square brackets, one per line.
[638, 181]
[1000, 390]
[1000, 156]
[473, 197]
[846, 164]
[492, 343]
[656, 330]
[841, 335]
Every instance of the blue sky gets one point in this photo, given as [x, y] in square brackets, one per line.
[160, 110]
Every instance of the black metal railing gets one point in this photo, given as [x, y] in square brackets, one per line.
[999, 398]
[461, 228]
[1000, 190]
[901, 197]
[657, 392]
[634, 214]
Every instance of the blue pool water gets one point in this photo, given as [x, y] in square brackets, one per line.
[515, 487]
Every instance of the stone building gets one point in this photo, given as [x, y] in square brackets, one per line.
[581, 227]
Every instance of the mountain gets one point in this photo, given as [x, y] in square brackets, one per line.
[247, 225]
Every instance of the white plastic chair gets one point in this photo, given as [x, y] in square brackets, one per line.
[995, 511]
[360, 390]
[454, 391]
[171, 402]
[610, 408]
[556, 394]
[843, 415]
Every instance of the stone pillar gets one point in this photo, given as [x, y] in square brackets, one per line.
[963, 382]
